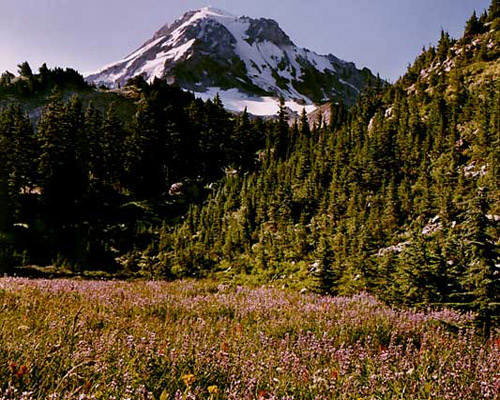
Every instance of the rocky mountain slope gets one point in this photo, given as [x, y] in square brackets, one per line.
[249, 62]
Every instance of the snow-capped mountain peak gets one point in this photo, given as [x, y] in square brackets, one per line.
[211, 50]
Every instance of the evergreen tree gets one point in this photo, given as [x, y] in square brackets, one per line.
[61, 174]
[113, 147]
[25, 70]
[494, 10]
[483, 273]
[326, 280]
[473, 26]
[281, 131]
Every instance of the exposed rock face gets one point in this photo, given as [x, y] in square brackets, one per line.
[209, 49]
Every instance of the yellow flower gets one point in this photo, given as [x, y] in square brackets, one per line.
[188, 379]
[213, 390]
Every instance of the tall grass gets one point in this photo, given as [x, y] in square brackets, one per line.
[67, 339]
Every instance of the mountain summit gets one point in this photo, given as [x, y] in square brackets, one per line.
[243, 59]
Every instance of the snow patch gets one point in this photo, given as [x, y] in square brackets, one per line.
[134, 55]
[156, 68]
[234, 100]
[176, 53]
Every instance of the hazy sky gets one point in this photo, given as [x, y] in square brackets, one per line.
[384, 35]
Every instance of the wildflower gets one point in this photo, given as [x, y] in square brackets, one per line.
[334, 374]
[262, 394]
[22, 371]
[213, 390]
[13, 367]
[188, 379]
[224, 347]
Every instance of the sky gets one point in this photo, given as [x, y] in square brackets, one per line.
[383, 35]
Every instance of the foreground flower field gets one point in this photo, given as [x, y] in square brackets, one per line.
[67, 339]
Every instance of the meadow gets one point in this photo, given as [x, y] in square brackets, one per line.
[70, 339]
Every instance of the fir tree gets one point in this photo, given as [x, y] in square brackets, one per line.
[25, 70]
[473, 26]
[281, 133]
[483, 272]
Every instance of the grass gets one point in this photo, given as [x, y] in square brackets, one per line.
[69, 339]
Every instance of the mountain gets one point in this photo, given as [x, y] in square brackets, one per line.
[249, 62]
